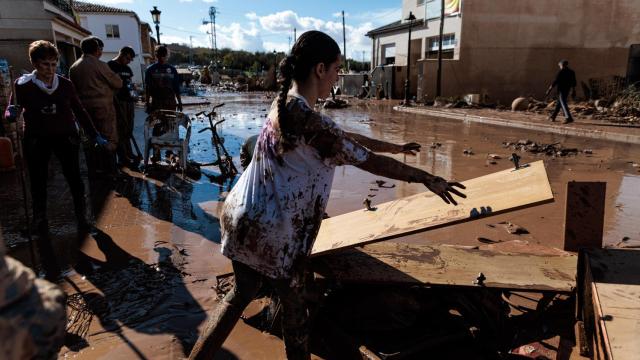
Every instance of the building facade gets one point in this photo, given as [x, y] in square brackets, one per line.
[502, 49]
[24, 21]
[116, 28]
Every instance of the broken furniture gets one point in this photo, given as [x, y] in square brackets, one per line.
[609, 302]
[162, 131]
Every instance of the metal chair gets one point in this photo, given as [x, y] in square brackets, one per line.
[162, 132]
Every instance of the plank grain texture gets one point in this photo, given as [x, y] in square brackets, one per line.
[616, 292]
[487, 195]
[416, 264]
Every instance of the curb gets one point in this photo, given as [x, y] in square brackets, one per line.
[556, 129]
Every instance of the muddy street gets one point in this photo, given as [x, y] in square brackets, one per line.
[157, 255]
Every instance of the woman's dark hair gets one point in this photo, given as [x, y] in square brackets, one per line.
[42, 50]
[311, 48]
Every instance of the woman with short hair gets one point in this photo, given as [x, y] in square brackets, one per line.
[52, 113]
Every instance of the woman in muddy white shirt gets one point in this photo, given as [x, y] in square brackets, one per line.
[272, 215]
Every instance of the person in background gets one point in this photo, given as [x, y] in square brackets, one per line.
[96, 84]
[124, 105]
[162, 84]
[52, 112]
[566, 83]
[271, 217]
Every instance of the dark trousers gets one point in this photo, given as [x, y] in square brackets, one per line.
[125, 117]
[37, 155]
[562, 104]
[247, 283]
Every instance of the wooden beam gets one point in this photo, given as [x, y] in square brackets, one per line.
[492, 194]
[413, 264]
[611, 309]
[584, 218]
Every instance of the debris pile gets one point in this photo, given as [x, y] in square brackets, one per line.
[555, 149]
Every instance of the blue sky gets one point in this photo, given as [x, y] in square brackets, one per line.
[265, 25]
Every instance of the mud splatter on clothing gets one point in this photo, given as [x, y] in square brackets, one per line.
[272, 215]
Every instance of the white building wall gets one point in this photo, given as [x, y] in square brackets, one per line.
[452, 25]
[129, 36]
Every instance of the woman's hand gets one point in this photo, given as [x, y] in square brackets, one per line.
[444, 188]
[408, 148]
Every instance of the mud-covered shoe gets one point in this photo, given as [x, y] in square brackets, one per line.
[567, 121]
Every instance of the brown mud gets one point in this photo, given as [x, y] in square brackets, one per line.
[157, 254]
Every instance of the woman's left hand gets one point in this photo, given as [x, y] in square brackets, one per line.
[408, 148]
[444, 189]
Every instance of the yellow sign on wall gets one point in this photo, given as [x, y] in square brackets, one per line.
[451, 7]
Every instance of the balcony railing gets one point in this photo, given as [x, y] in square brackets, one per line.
[63, 5]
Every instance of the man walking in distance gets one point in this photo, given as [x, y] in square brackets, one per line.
[162, 85]
[566, 82]
[124, 104]
[96, 84]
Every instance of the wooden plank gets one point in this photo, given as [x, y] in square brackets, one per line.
[413, 264]
[616, 302]
[584, 218]
[488, 195]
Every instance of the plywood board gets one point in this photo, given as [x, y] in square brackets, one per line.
[616, 300]
[487, 195]
[412, 264]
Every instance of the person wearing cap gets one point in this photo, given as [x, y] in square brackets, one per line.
[96, 84]
[566, 83]
[124, 104]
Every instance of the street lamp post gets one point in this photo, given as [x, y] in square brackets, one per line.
[406, 82]
[155, 15]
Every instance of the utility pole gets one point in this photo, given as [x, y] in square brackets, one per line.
[364, 65]
[344, 43]
[294, 35]
[439, 76]
[407, 82]
[191, 49]
[212, 23]
[289, 44]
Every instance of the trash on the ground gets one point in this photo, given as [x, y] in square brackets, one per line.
[555, 149]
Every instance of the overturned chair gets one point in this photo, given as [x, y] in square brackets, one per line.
[162, 132]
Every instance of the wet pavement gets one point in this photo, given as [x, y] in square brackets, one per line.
[157, 253]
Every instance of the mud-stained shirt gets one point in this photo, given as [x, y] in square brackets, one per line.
[272, 215]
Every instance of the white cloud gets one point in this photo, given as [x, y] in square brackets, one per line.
[270, 31]
[269, 46]
[210, 1]
[339, 14]
[283, 23]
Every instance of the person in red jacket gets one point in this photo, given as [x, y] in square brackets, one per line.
[52, 113]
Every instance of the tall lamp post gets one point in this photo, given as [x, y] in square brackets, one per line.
[155, 15]
[406, 82]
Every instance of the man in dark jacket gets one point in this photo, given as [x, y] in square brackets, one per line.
[162, 85]
[566, 82]
[124, 104]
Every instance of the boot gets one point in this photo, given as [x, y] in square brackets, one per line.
[222, 321]
[46, 253]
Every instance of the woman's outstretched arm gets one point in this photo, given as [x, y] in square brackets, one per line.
[391, 168]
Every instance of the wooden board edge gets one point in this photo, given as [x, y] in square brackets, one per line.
[460, 221]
